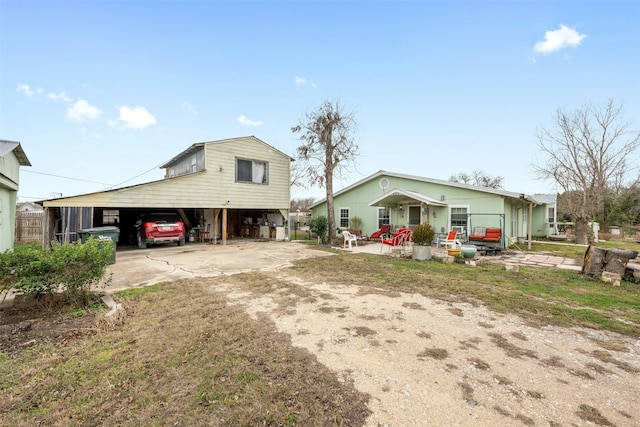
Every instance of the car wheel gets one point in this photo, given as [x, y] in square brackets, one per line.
[181, 241]
[141, 243]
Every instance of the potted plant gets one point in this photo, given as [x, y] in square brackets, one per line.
[422, 237]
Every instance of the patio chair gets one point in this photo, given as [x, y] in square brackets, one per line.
[398, 240]
[384, 229]
[450, 242]
[349, 238]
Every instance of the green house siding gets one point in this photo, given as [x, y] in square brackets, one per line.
[11, 158]
[484, 207]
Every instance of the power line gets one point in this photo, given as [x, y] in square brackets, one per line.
[65, 177]
[137, 176]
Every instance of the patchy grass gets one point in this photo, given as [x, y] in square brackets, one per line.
[540, 296]
[183, 356]
[576, 251]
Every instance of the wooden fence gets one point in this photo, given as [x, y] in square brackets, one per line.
[29, 226]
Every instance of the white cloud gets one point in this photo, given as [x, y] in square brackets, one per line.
[62, 96]
[136, 118]
[559, 39]
[82, 111]
[29, 93]
[245, 121]
[302, 81]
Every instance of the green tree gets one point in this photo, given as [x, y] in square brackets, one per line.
[318, 226]
[327, 149]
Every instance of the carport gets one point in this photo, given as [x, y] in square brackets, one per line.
[230, 188]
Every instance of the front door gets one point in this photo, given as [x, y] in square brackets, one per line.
[414, 216]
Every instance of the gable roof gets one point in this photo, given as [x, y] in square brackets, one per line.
[381, 173]
[542, 199]
[7, 147]
[196, 146]
[397, 194]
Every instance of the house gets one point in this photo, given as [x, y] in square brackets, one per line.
[407, 200]
[228, 188]
[11, 158]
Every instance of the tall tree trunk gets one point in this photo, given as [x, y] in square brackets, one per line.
[328, 173]
[582, 231]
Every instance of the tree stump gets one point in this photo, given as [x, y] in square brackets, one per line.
[597, 260]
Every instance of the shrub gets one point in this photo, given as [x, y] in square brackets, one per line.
[356, 223]
[72, 268]
[423, 234]
[319, 225]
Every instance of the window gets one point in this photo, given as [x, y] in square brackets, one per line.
[552, 216]
[110, 216]
[344, 217]
[253, 171]
[383, 216]
[458, 218]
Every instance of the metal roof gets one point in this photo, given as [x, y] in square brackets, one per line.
[380, 173]
[398, 195]
[7, 147]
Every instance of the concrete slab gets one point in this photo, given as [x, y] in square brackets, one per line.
[140, 267]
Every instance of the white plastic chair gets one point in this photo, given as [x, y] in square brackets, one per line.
[348, 238]
[451, 241]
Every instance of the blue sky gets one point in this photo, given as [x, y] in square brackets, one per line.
[106, 91]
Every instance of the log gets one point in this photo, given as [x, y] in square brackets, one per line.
[614, 260]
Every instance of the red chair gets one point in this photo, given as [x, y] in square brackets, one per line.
[450, 242]
[384, 229]
[398, 240]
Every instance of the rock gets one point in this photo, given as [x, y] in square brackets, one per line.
[609, 277]
[512, 267]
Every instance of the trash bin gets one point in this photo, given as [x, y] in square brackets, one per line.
[103, 234]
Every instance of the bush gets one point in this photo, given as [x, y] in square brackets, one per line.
[319, 225]
[356, 223]
[72, 268]
[423, 234]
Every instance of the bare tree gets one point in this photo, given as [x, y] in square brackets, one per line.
[327, 149]
[478, 178]
[303, 204]
[297, 178]
[586, 155]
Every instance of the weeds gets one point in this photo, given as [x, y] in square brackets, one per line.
[540, 296]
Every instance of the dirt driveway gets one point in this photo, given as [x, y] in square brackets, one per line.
[424, 362]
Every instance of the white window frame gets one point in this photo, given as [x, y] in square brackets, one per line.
[379, 218]
[340, 217]
[466, 226]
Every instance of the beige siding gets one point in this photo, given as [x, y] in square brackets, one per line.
[212, 188]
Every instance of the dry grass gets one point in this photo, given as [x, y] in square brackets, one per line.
[592, 415]
[539, 296]
[183, 356]
[434, 353]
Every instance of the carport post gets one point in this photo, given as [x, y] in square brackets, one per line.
[224, 226]
[530, 223]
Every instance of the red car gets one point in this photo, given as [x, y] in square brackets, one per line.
[160, 228]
